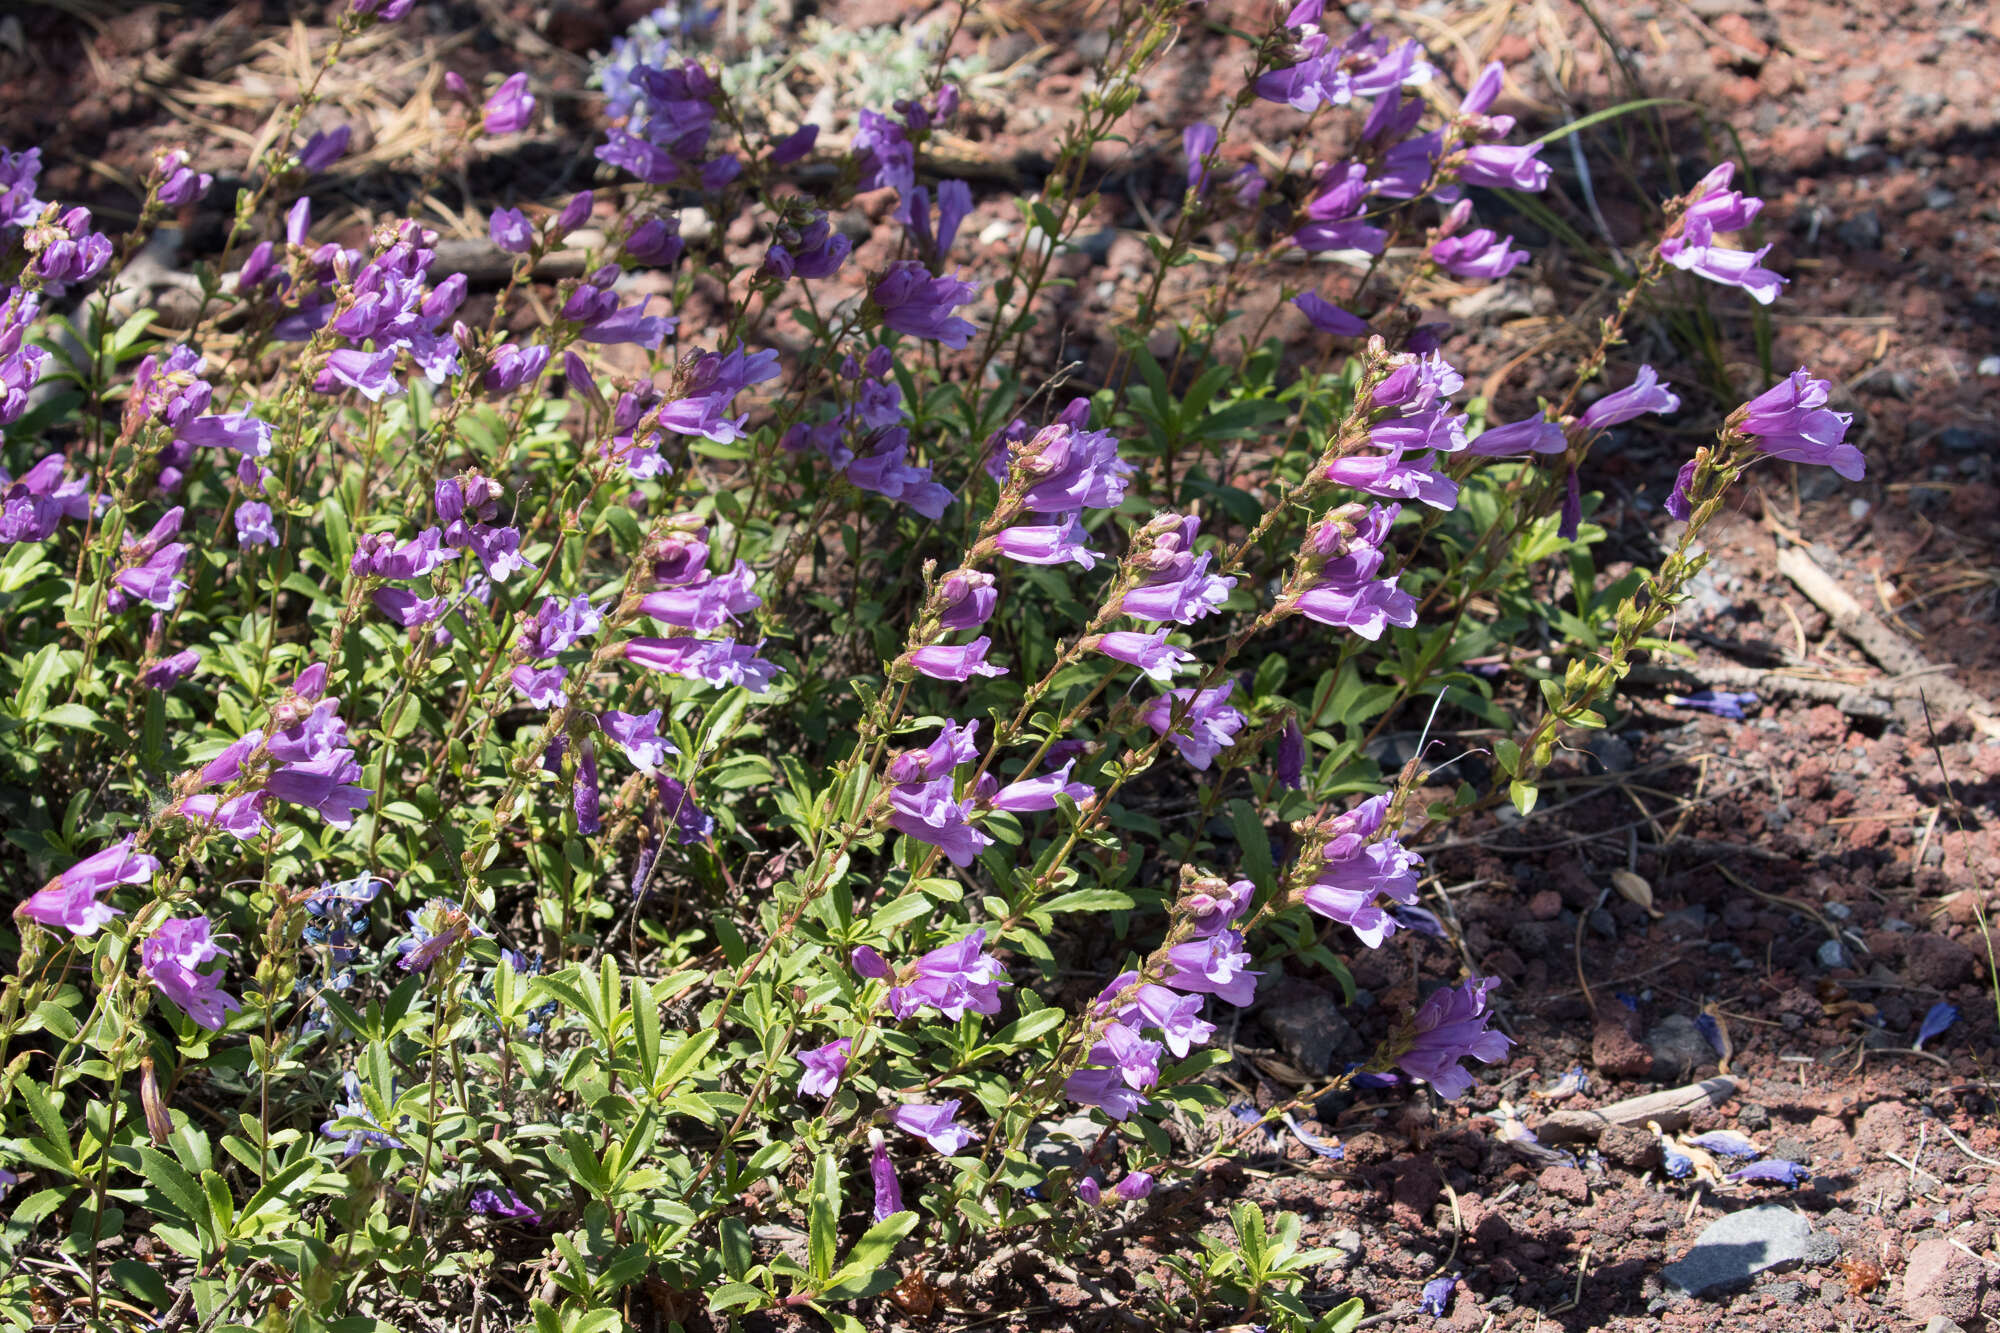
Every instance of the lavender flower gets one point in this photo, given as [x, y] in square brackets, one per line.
[1790, 420]
[882, 1171]
[1481, 254]
[1178, 586]
[170, 671]
[372, 1134]
[1346, 592]
[1028, 795]
[1360, 865]
[1197, 144]
[254, 526]
[1451, 1026]
[1530, 435]
[967, 597]
[434, 930]
[1506, 167]
[954, 745]
[886, 472]
[1134, 1186]
[824, 1066]
[1209, 728]
[1727, 1142]
[1334, 215]
[914, 302]
[718, 661]
[1722, 703]
[507, 1204]
[1216, 966]
[1327, 317]
[170, 956]
[638, 737]
[1718, 209]
[511, 231]
[794, 146]
[933, 1124]
[691, 823]
[1436, 1299]
[510, 107]
[179, 184]
[1151, 653]
[946, 662]
[1646, 393]
[950, 980]
[544, 687]
[71, 899]
[323, 149]
[929, 812]
[1048, 544]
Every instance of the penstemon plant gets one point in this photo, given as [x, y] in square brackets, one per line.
[554, 823]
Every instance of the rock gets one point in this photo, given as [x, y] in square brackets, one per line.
[1629, 1146]
[1565, 1182]
[1821, 1250]
[1863, 231]
[1546, 905]
[1678, 1048]
[1942, 1281]
[1307, 1026]
[1060, 1143]
[1751, 1116]
[1615, 1052]
[1937, 961]
[1831, 954]
[1734, 1249]
[1939, 1324]
[1786, 1293]
[1611, 752]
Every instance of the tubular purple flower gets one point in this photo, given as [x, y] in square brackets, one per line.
[793, 146]
[942, 661]
[560, 626]
[1134, 1186]
[585, 800]
[322, 150]
[1393, 476]
[952, 979]
[1451, 1026]
[886, 472]
[706, 604]
[717, 661]
[1334, 215]
[1217, 966]
[408, 609]
[1151, 653]
[512, 366]
[1134, 1059]
[1090, 1191]
[1481, 254]
[868, 963]
[170, 956]
[933, 1124]
[637, 735]
[1327, 317]
[953, 746]
[511, 231]
[71, 899]
[1178, 1017]
[576, 212]
[914, 302]
[1029, 795]
[1209, 728]
[180, 184]
[824, 1067]
[254, 526]
[968, 598]
[1355, 873]
[1506, 167]
[1790, 420]
[655, 242]
[1106, 1091]
[1571, 517]
[544, 688]
[882, 1171]
[1197, 143]
[510, 107]
[1530, 435]
[1291, 766]
[1718, 209]
[931, 813]
[888, 159]
[236, 430]
[171, 671]
[1776, 1171]
[1048, 544]
[1646, 393]
[378, 555]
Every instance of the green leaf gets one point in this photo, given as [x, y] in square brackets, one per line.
[1254, 843]
[1524, 795]
[866, 1270]
[823, 1214]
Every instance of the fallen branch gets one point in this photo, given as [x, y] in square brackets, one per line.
[1882, 644]
[1672, 1109]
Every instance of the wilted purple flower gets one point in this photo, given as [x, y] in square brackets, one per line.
[1218, 965]
[1048, 544]
[1790, 420]
[929, 812]
[1570, 517]
[1451, 1026]
[170, 671]
[1209, 728]
[1776, 1171]
[882, 1171]
[1727, 1142]
[1151, 653]
[717, 661]
[502, 1203]
[1530, 435]
[544, 688]
[254, 526]
[914, 302]
[950, 980]
[1291, 766]
[1134, 1186]
[824, 1066]
[511, 231]
[1722, 703]
[933, 1124]
[323, 149]
[510, 107]
[1939, 1017]
[1327, 317]
[1028, 795]
[1317, 1146]
[70, 900]
[1646, 393]
[170, 956]
[1436, 1297]
[1197, 143]
[180, 184]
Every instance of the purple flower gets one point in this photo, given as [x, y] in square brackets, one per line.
[656, 242]
[692, 824]
[1179, 587]
[510, 107]
[1291, 766]
[882, 1171]
[794, 146]
[1090, 1191]
[638, 736]
[1073, 469]
[439, 925]
[371, 374]
[1436, 1297]
[378, 555]
[1209, 728]
[407, 609]
[1718, 209]
[575, 213]
[1530, 435]
[1570, 518]
[511, 231]
[929, 812]
[1776, 1171]
[1103, 1089]
[236, 430]
[171, 671]
[180, 184]
[824, 1067]
[1939, 1017]
[1450, 1026]
[933, 1124]
[1334, 216]
[1197, 143]
[942, 661]
[1134, 1059]
[585, 797]
[870, 964]
[1151, 653]
[712, 383]
[886, 472]
[1327, 317]
[1218, 965]
[954, 205]
[544, 688]
[152, 569]
[1726, 1142]
[323, 149]
[70, 901]
[170, 956]
[1646, 393]
[914, 302]
[1048, 544]
[1506, 167]
[19, 173]
[953, 746]
[1347, 593]
[504, 1204]
[1029, 795]
[560, 626]
[1355, 872]
[950, 980]
[76, 254]
[372, 1134]
[718, 661]
[1136, 1185]
[254, 526]
[1722, 703]
[1790, 420]
[1395, 477]
[387, 11]
[513, 366]
[968, 598]
[1680, 504]
[1477, 254]
[1178, 1017]
[888, 159]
